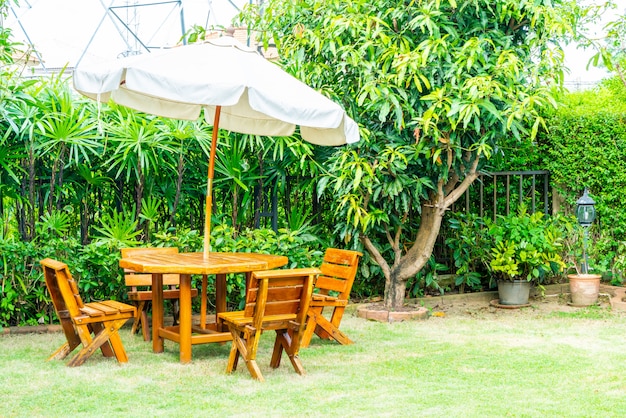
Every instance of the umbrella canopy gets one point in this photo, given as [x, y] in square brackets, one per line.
[237, 88]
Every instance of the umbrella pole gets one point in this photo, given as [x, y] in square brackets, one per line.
[209, 191]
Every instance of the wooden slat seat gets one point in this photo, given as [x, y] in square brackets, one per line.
[139, 289]
[94, 325]
[331, 293]
[275, 300]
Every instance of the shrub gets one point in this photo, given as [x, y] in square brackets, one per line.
[525, 246]
[24, 299]
[468, 242]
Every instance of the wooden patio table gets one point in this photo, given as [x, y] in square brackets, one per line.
[186, 264]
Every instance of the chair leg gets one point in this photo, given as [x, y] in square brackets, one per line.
[336, 316]
[118, 347]
[89, 345]
[73, 339]
[309, 330]
[233, 357]
[330, 329]
[96, 329]
[61, 352]
[137, 321]
[254, 370]
[286, 341]
[102, 339]
[278, 351]
[145, 325]
[252, 344]
[245, 344]
[175, 310]
[322, 332]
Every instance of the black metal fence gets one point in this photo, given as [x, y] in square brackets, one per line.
[501, 192]
[492, 194]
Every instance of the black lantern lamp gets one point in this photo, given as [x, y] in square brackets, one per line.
[586, 214]
[585, 210]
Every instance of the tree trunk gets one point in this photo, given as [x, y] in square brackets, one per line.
[119, 197]
[408, 265]
[19, 216]
[84, 219]
[139, 187]
[53, 176]
[235, 210]
[258, 196]
[287, 198]
[60, 179]
[57, 166]
[395, 290]
[139, 192]
[179, 184]
[30, 219]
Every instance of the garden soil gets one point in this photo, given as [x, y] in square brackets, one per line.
[554, 298]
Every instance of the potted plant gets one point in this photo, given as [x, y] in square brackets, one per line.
[584, 286]
[526, 248]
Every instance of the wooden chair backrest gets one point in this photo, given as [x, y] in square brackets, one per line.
[338, 272]
[133, 279]
[279, 292]
[62, 288]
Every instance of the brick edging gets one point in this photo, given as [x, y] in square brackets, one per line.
[37, 329]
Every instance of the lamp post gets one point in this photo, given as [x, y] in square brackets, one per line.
[586, 214]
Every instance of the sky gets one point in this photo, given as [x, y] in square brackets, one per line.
[80, 31]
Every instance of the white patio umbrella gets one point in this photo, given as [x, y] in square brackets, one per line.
[238, 89]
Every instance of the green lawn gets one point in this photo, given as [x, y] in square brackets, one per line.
[538, 365]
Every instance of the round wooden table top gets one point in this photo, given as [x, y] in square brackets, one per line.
[195, 263]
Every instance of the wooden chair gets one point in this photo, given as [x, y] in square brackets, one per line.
[80, 320]
[140, 292]
[332, 292]
[275, 300]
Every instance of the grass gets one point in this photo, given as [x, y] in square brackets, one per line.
[519, 366]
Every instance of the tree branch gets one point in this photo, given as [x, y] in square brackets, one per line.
[467, 181]
[451, 184]
[397, 249]
[376, 255]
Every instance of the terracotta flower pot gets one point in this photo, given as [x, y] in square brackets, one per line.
[584, 288]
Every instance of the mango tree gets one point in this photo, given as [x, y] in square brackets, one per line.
[438, 87]
[610, 45]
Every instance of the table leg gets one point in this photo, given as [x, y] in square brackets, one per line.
[184, 320]
[157, 312]
[220, 295]
[203, 301]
